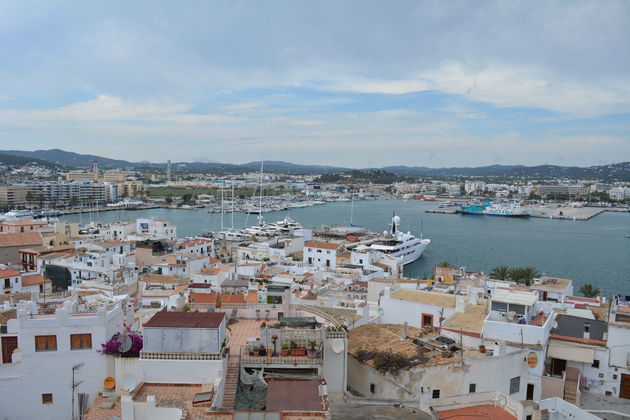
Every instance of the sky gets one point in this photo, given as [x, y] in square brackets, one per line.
[361, 83]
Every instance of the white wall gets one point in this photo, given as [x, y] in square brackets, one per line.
[396, 311]
[489, 373]
[22, 384]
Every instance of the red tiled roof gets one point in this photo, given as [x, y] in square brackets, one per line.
[232, 298]
[20, 239]
[202, 297]
[186, 320]
[320, 244]
[6, 273]
[474, 413]
[199, 285]
[33, 280]
[578, 340]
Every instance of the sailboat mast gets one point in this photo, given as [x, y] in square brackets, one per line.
[232, 204]
[352, 207]
[260, 217]
[221, 207]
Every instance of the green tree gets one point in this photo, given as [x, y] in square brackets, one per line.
[589, 290]
[169, 199]
[523, 275]
[500, 272]
[444, 264]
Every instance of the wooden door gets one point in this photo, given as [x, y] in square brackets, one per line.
[624, 389]
[8, 345]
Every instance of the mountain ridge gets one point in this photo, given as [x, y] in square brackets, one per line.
[613, 171]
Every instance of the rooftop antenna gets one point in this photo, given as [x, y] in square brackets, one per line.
[75, 384]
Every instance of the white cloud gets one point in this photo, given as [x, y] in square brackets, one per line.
[111, 108]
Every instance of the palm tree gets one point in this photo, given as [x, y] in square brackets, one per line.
[515, 274]
[529, 274]
[444, 264]
[524, 275]
[589, 290]
[500, 272]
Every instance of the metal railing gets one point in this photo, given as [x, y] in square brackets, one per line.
[279, 359]
[179, 356]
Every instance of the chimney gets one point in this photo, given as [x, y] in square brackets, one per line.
[587, 330]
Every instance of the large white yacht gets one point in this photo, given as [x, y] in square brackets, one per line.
[401, 244]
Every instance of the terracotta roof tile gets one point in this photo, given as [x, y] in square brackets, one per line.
[322, 245]
[186, 320]
[20, 239]
[7, 272]
[33, 280]
[578, 340]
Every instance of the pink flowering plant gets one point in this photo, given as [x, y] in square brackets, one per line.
[114, 345]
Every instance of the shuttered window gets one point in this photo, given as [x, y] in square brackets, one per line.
[45, 342]
[47, 399]
[80, 341]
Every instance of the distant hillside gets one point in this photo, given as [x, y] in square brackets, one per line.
[292, 168]
[12, 160]
[612, 172]
[61, 157]
[374, 176]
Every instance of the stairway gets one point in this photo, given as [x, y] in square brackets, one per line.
[231, 382]
[571, 380]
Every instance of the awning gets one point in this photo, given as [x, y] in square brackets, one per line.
[571, 351]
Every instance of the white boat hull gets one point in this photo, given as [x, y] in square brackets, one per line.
[412, 254]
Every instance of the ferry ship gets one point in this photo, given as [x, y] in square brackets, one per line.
[487, 208]
[400, 244]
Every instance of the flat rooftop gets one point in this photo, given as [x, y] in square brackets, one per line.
[471, 320]
[427, 298]
[287, 395]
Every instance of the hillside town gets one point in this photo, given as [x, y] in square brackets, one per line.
[128, 320]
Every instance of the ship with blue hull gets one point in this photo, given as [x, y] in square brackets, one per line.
[487, 208]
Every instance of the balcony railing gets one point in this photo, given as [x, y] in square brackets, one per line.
[179, 356]
[279, 359]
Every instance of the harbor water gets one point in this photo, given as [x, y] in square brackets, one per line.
[594, 251]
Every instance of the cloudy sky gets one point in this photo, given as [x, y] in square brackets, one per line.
[353, 83]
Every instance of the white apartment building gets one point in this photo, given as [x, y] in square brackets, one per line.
[158, 229]
[53, 349]
[321, 254]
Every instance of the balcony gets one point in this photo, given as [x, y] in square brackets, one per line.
[251, 358]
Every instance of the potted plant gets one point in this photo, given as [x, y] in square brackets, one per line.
[297, 351]
[312, 352]
[285, 350]
[262, 351]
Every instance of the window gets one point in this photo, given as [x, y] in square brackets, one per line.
[515, 385]
[499, 306]
[435, 393]
[80, 341]
[472, 388]
[595, 364]
[45, 342]
[372, 388]
[47, 399]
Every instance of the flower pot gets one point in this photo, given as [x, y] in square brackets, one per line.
[284, 352]
[298, 351]
[482, 349]
[311, 354]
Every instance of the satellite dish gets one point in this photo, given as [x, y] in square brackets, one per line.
[130, 382]
[126, 343]
[337, 345]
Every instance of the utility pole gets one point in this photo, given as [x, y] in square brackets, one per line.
[75, 384]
